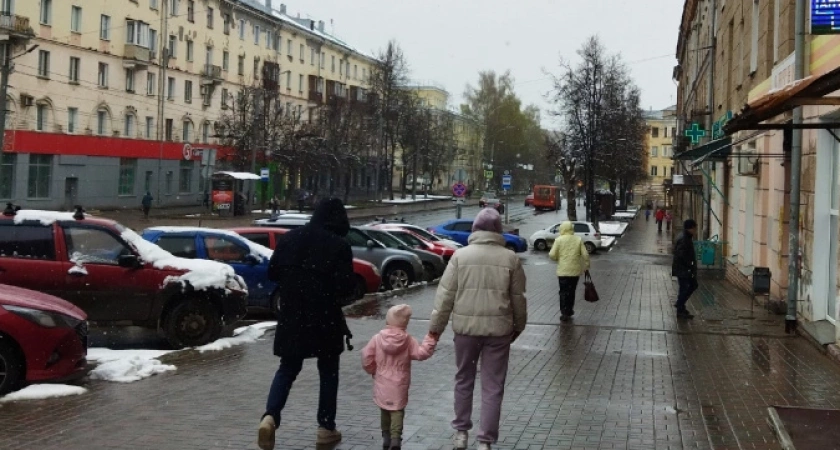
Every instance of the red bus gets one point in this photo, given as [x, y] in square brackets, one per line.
[547, 198]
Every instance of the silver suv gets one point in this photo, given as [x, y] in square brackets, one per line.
[399, 268]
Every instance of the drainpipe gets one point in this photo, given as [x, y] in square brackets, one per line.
[795, 178]
[711, 118]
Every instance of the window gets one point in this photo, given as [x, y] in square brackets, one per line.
[128, 170]
[72, 119]
[666, 150]
[173, 46]
[75, 65]
[173, 7]
[664, 131]
[186, 134]
[289, 47]
[150, 83]
[333, 63]
[300, 83]
[288, 80]
[129, 126]
[27, 241]
[40, 176]
[225, 60]
[101, 122]
[312, 56]
[301, 52]
[93, 246]
[323, 60]
[355, 72]
[43, 64]
[185, 181]
[76, 19]
[256, 68]
[153, 4]
[153, 43]
[756, 23]
[654, 151]
[224, 98]
[168, 183]
[225, 249]
[191, 11]
[240, 68]
[170, 88]
[105, 27]
[205, 132]
[208, 56]
[227, 24]
[242, 29]
[41, 117]
[673, 131]
[129, 80]
[169, 129]
[137, 33]
[209, 17]
[46, 12]
[102, 75]
[147, 181]
[7, 175]
[364, 74]
[653, 171]
[654, 132]
[188, 91]
[256, 35]
[181, 246]
[268, 39]
[150, 125]
[190, 51]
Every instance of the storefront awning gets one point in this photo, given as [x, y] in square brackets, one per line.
[810, 90]
[717, 150]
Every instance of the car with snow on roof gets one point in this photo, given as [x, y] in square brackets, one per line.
[117, 277]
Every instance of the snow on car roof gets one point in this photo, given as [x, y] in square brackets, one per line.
[240, 175]
[45, 217]
[255, 248]
[200, 273]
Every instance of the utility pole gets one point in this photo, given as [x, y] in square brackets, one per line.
[164, 62]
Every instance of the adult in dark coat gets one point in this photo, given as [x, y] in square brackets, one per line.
[313, 266]
[684, 267]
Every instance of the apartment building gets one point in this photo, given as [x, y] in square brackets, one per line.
[123, 97]
[661, 129]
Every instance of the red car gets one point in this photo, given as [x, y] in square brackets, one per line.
[41, 338]
[368, 277]
[529, 200]
[415, 240]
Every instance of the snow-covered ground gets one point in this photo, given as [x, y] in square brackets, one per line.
[420, 199]
[128, 366]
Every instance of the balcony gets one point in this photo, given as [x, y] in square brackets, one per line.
[136, 55]
[211, 74]
[316, 97]
[15, 27]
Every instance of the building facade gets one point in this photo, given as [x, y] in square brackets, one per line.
[123, 97]
[662, 126]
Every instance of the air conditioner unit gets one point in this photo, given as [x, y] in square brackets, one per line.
[748, 161]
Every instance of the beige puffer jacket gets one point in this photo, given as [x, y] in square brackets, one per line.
[483, 289]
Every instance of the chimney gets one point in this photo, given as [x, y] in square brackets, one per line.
[312, 25]
[268, 5]
[283, 9]
[321, 26]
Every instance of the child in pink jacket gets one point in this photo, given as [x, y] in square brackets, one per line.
[388, 358]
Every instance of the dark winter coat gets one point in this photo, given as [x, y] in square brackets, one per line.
[685, 260]
[313, 266]
[146, 202]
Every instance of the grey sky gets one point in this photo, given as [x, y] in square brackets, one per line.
[449, 42]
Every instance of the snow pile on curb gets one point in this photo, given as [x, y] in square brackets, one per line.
[242, 335]
[127, 366]
[43, 391]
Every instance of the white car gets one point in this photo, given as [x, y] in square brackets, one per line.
[288, 221]
[543, 240]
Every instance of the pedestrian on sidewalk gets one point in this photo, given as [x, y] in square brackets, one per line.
[301, 199]
[647, 214]
[572, 262]
[146, 204]
[668, 219]
[684, 267]
[388, 358]
[483, 289]
[313, 267]
[660, 217]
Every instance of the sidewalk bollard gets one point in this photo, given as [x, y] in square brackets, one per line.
[457, 210]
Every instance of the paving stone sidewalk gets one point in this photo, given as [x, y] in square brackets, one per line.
[624, 375]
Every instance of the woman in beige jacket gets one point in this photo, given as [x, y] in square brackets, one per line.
[483, 290]
[572, 262]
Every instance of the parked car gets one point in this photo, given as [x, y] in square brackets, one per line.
[42, 338]
[543, 240]
[415, 240]
[399, 268]
[459, 230]
[491, 201]
[117, 277]
[433, 265]
[424, 233]
[287, 221]
[368, 278]
[529, 200]
[248, 259]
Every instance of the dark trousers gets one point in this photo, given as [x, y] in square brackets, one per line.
[146, 210]
[300, 205]
[568, 286]
[659, 224]
[288, 371]
[687, 287]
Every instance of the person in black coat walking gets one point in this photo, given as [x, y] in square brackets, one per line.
[684, 267]
[313, 266]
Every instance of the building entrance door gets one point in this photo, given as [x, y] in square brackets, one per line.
[71, 193]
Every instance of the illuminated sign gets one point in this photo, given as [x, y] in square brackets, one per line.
[825, 16]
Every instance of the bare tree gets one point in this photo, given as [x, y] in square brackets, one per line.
[566, 159]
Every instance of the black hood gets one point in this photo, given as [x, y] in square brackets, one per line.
[331, 215]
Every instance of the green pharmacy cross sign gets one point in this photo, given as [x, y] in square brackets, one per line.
[695, 133]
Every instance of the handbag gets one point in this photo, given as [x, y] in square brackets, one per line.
[589, 292]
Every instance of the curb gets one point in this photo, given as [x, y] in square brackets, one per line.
[775, 423]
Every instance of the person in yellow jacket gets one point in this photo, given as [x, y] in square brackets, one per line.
[572, 262]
